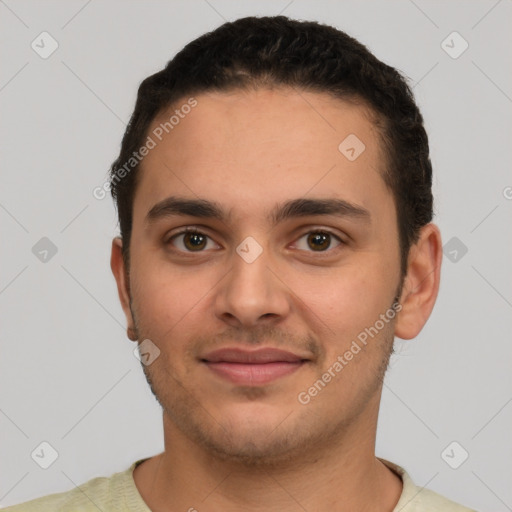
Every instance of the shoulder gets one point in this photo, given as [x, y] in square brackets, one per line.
[90, 496]
[427, 500]
[420, 499]
[102, 493]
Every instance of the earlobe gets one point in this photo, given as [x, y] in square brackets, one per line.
[119, 270]
[421, 283]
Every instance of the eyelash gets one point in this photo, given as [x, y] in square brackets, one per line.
[313, 231]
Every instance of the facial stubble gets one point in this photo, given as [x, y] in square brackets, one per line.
[300, 433]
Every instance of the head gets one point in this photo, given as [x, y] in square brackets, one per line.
[298, 242]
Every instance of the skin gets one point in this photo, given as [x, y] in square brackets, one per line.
[232, 447]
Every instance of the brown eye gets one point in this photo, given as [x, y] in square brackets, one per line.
[192, 241]
[318, 241]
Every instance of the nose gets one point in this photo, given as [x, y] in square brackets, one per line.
[252, 294]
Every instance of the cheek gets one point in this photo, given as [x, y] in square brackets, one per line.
[165, 300]
[346, 297]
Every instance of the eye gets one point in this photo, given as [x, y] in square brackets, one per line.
[318, 241]
[191, 240]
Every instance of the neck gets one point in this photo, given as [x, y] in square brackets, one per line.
[342, 474]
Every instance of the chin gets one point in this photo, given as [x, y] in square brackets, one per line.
[254, 448]
[257, 436]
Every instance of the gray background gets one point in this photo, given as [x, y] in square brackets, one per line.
[68, 375]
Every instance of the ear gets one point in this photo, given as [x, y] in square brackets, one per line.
[421, 283]
[123, 284]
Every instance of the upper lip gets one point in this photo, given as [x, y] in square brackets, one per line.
[260, 356]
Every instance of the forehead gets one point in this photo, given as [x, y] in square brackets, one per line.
[250, 148]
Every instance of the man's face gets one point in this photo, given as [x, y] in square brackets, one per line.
[306, 280]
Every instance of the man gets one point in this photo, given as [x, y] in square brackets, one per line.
[274, 198]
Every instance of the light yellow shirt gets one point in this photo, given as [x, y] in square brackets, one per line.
[119, 493]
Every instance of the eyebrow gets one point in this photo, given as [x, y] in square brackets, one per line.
[203, 208]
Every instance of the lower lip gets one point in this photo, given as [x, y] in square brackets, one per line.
[254, 374]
